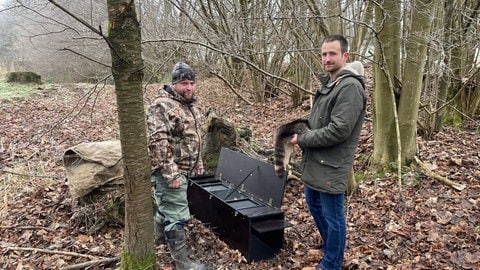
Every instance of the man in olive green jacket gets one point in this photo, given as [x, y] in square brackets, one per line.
[329, 146]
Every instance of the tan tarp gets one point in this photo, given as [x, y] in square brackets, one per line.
[92, 165]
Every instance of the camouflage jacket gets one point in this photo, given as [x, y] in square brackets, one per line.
[174, 135]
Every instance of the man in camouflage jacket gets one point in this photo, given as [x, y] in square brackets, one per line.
[174, 136]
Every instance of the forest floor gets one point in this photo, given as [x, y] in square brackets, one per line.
[422, 224]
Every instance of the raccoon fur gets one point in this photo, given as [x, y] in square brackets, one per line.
[283, 147]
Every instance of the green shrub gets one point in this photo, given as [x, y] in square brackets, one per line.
[453, 119]
[24, 77]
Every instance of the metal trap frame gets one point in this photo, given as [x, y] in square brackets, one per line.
[241, 203]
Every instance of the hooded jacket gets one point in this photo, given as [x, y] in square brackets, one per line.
[174, 135]
[335, 121]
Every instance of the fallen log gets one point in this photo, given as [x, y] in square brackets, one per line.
[95, 260]
[84, 265]
[9, 246]
[435, 176]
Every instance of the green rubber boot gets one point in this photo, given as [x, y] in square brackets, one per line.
[178, 249]
[158, 229]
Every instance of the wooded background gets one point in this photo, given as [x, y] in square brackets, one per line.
[424, 55]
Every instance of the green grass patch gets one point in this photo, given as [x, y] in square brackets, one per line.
[13, 90]
[360, 176]
[453, 119]
[9, 91]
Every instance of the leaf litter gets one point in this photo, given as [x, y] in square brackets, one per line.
[423, 225]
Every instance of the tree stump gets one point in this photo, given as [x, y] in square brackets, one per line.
[24, 77]
[220, 133]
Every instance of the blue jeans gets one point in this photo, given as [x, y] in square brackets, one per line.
[328, 212]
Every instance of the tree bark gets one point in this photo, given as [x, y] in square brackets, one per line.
[385, 148]
[361, 38]
[445, 79]
[416, 54]
[127, 69]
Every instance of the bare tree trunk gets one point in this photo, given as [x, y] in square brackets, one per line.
[385, 149]
[445, 79]
[465, 46]
[127, 69]
[333, 10]
[361, 37]
[416, 54]
[475, 96]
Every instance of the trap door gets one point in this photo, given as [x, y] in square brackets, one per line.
[252, 176]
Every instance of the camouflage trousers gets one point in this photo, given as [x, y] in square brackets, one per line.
[171, 203]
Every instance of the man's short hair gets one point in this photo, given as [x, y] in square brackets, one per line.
[343, 41]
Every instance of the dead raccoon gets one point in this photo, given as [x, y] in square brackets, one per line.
[283, 147]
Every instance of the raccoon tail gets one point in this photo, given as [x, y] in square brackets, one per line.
[283, 147]
[283, 151]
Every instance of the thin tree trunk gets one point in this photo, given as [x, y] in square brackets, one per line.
[445, 79]
[416, 50]
[333, 10]
[361, 34]
[127, 69]
[385, 149]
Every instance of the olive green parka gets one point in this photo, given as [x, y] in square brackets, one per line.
[335, 123]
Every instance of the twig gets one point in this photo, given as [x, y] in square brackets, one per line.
[26, 227]
[235, 56]
[92, 263]
[86, 57]
[30, 175]
[440, 178]
[48, 251]
[231, 87]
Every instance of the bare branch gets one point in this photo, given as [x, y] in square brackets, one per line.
[48, 251]
[46, 17]
[26, 228]
[80, 20]
[424, 168]
[87, 265]
[86, 24]
[80, 105]
[86, 57]
[8, 8]
[30, 175]
[246, 61]
[231, 87]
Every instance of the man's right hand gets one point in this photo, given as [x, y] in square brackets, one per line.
[294, 139]
[175, 183]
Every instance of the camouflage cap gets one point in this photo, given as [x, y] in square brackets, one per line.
[182, 72]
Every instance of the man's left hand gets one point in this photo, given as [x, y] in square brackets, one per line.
[200, 171]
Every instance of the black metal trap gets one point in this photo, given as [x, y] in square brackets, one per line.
[241, 203]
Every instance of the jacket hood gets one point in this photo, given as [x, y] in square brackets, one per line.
[354, 69]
